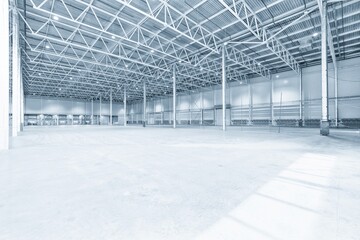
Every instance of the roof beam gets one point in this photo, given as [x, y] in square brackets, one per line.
[239, 57]
[165, 14]
[252, 22]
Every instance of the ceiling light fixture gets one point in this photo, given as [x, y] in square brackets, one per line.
[113, 37]
[315, 34]
[47, 46]
[55, 17]
[277, 76]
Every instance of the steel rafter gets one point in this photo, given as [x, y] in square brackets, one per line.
[184, 54]
[249, 18]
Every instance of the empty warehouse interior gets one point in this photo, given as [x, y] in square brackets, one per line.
[180, 119]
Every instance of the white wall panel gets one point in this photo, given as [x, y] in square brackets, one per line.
[105, 108]
[88, 108]
[312, 83]
[183, 102]
[33, 106]
[195, 101]
[261, 93]
[78, 108]
[349, 78]
[167, 103]
[158, 105]
[208, 99]
[287, 83]
[239, 95]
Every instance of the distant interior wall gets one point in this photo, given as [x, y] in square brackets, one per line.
[37, 105]
[197, 106]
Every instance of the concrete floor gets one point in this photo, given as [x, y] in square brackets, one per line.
[98, 182]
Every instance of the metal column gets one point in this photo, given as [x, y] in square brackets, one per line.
[144, 104]
[125, 107]
[223, 90]
[201, 108]
[324, 125]
[100, 111]
[4, 75]
[174, 96]
[111, 109]
[92, 111]
[300, 99]
[213, 105]
[336, 96]
[22, 104]
[16, 88]
[190, 114]
[250, 94]
[272, 120]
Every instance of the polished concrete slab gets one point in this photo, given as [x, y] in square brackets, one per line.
[100, 182]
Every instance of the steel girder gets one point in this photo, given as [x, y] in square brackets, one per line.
[248, 18]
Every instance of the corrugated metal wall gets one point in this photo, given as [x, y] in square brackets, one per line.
[201, 107]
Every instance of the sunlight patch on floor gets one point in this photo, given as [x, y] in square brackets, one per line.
[287, 207]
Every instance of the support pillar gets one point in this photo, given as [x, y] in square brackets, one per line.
[230, 109]
[144, 104]
[100, 111]
[213, 106]
[190, 113]
[300, 99]
[201, 108]
[336, 97]
[16, 88]
[324, 124]
[92, 112]
[250, 94]
[223, 89]
[174, 96]
[111, 109]
[125, 121]
[22, 102]
[272, 120]
[4, 75]
[41, 112]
